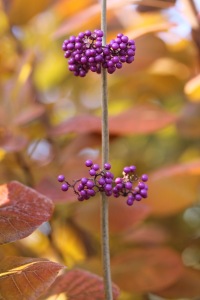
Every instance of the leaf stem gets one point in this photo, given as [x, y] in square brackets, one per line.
[105, 158]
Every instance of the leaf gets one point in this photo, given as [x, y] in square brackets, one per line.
[150, 269]
[13, 143]
[192, 89]
[140, 119]
[147, 6]
[19, 12]
[147, 235]
[66, 8]
[174, 188]
[188, 123]
[80, 285]
[121, 216]
[78, 124]
[26, 278]
[22, 210]
[73, 168]
[187, 286]
[30, 114]
[92, 12]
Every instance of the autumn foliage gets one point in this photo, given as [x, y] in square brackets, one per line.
[50, 123]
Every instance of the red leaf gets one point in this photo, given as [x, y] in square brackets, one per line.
[26, 278]
[149, 269]
[80, 285]
[140, 119]
[22, 210]
[29, 114]
[11, 143]
[146, 234]
[78, 124]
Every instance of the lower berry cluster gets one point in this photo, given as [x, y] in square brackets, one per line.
[86, 53]
[104, 181]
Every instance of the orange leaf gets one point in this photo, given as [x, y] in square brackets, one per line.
[22, 210]
[188, 123]
[121, 216]
[26, 278]
[145, 270]
[187, 286]
[20, 13]
[174, 188]
[81, 285]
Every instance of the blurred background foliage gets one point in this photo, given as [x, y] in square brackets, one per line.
[50, 123]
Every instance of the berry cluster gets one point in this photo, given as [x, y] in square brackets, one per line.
[85, 52]
[104, 181]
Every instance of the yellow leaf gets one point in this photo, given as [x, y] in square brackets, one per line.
[192, 89]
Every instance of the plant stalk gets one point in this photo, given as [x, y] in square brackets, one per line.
[105, 158]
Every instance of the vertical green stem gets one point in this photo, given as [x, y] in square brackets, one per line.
[105, 158]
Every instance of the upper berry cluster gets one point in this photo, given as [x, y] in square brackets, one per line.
[85, 52]
[104, 181]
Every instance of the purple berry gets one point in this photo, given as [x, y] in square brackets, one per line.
[115, 46]
[80, 187]
[80, 198]
[130, 201]
[83, 193]
[64, 187]
[84, 180]
[127, 170]
[143, 193]
[119, 65]
[129, 59]
[90, 184]
[144, 177]
[108, 187]
[109, 175]
[88, 163]
[95, 167]
[88, 33]
[101, 181]
[138, 197]
[119, 186]
[118, 180]
[99, 33]
[108, 193]
[61, 178]
[128, 185]
[141, 185]
[119, 35]
[91, 192]
[107, 166]
[124, 39]
[92, 172]
[70, 46]
[108, 180]
[132, 168]
[122, 46]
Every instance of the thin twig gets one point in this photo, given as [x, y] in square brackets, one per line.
[105, 157]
